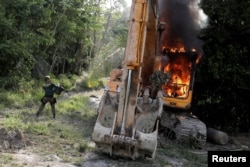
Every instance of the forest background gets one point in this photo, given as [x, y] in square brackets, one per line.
[72, 39]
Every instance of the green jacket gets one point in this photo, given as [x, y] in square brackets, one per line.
[49, 89]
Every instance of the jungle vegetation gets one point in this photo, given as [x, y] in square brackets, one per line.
[66, 38]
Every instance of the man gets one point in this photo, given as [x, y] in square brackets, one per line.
[49, 90]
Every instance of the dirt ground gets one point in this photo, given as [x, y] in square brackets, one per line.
[29, 157]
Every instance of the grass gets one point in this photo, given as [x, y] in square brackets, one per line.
[77, 102]
[29, 93]
[5, 159]
[67, 136]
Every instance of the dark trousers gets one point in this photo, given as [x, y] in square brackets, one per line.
[44, 101]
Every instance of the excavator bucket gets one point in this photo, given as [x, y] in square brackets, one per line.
[143, 140]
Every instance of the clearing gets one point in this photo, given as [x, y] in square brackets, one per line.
[59, 150]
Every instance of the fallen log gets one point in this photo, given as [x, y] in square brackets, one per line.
[216, 136]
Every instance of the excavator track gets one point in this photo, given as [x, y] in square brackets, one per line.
[184, 127]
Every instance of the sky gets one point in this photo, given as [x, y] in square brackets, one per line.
[129, 2]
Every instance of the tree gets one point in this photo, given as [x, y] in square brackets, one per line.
[45, 36]
[72, 24]
[222, 81]
[38, 37]
[17, 40]
[110, 47]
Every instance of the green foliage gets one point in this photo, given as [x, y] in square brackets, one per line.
[226, 42]
[67, 81]
[6, 159]
[16, 46]
[93, 83]
[13, 122]
[57, 37]
[38, 37]
[30, 92]
[221, 88]
[83, 147]
[111, 47]
[11, 99]
[74, 104]
[65, 134]
[38, 128]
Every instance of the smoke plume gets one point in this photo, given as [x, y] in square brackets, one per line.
[184, 19]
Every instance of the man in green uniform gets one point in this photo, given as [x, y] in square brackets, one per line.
[49, 89]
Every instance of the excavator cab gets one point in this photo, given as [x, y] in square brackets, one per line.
[177, 91]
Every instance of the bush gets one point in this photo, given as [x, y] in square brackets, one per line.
[30, 92]
[67, 81]
[92, 83]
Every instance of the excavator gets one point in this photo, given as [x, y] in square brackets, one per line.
[153, 80]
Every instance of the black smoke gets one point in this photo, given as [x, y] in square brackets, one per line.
[182, 18]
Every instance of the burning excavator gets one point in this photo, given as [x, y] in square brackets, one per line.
[150, 91]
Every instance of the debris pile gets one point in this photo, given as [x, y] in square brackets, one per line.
[12, 140]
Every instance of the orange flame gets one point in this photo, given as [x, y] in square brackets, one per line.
[180, 67]
[178, 85]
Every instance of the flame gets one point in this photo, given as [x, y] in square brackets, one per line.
[182, 49]
[178, 46]
[180, 68]
[179, 64]
[198, 58]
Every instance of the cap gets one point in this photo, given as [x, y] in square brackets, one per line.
[47, 77]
